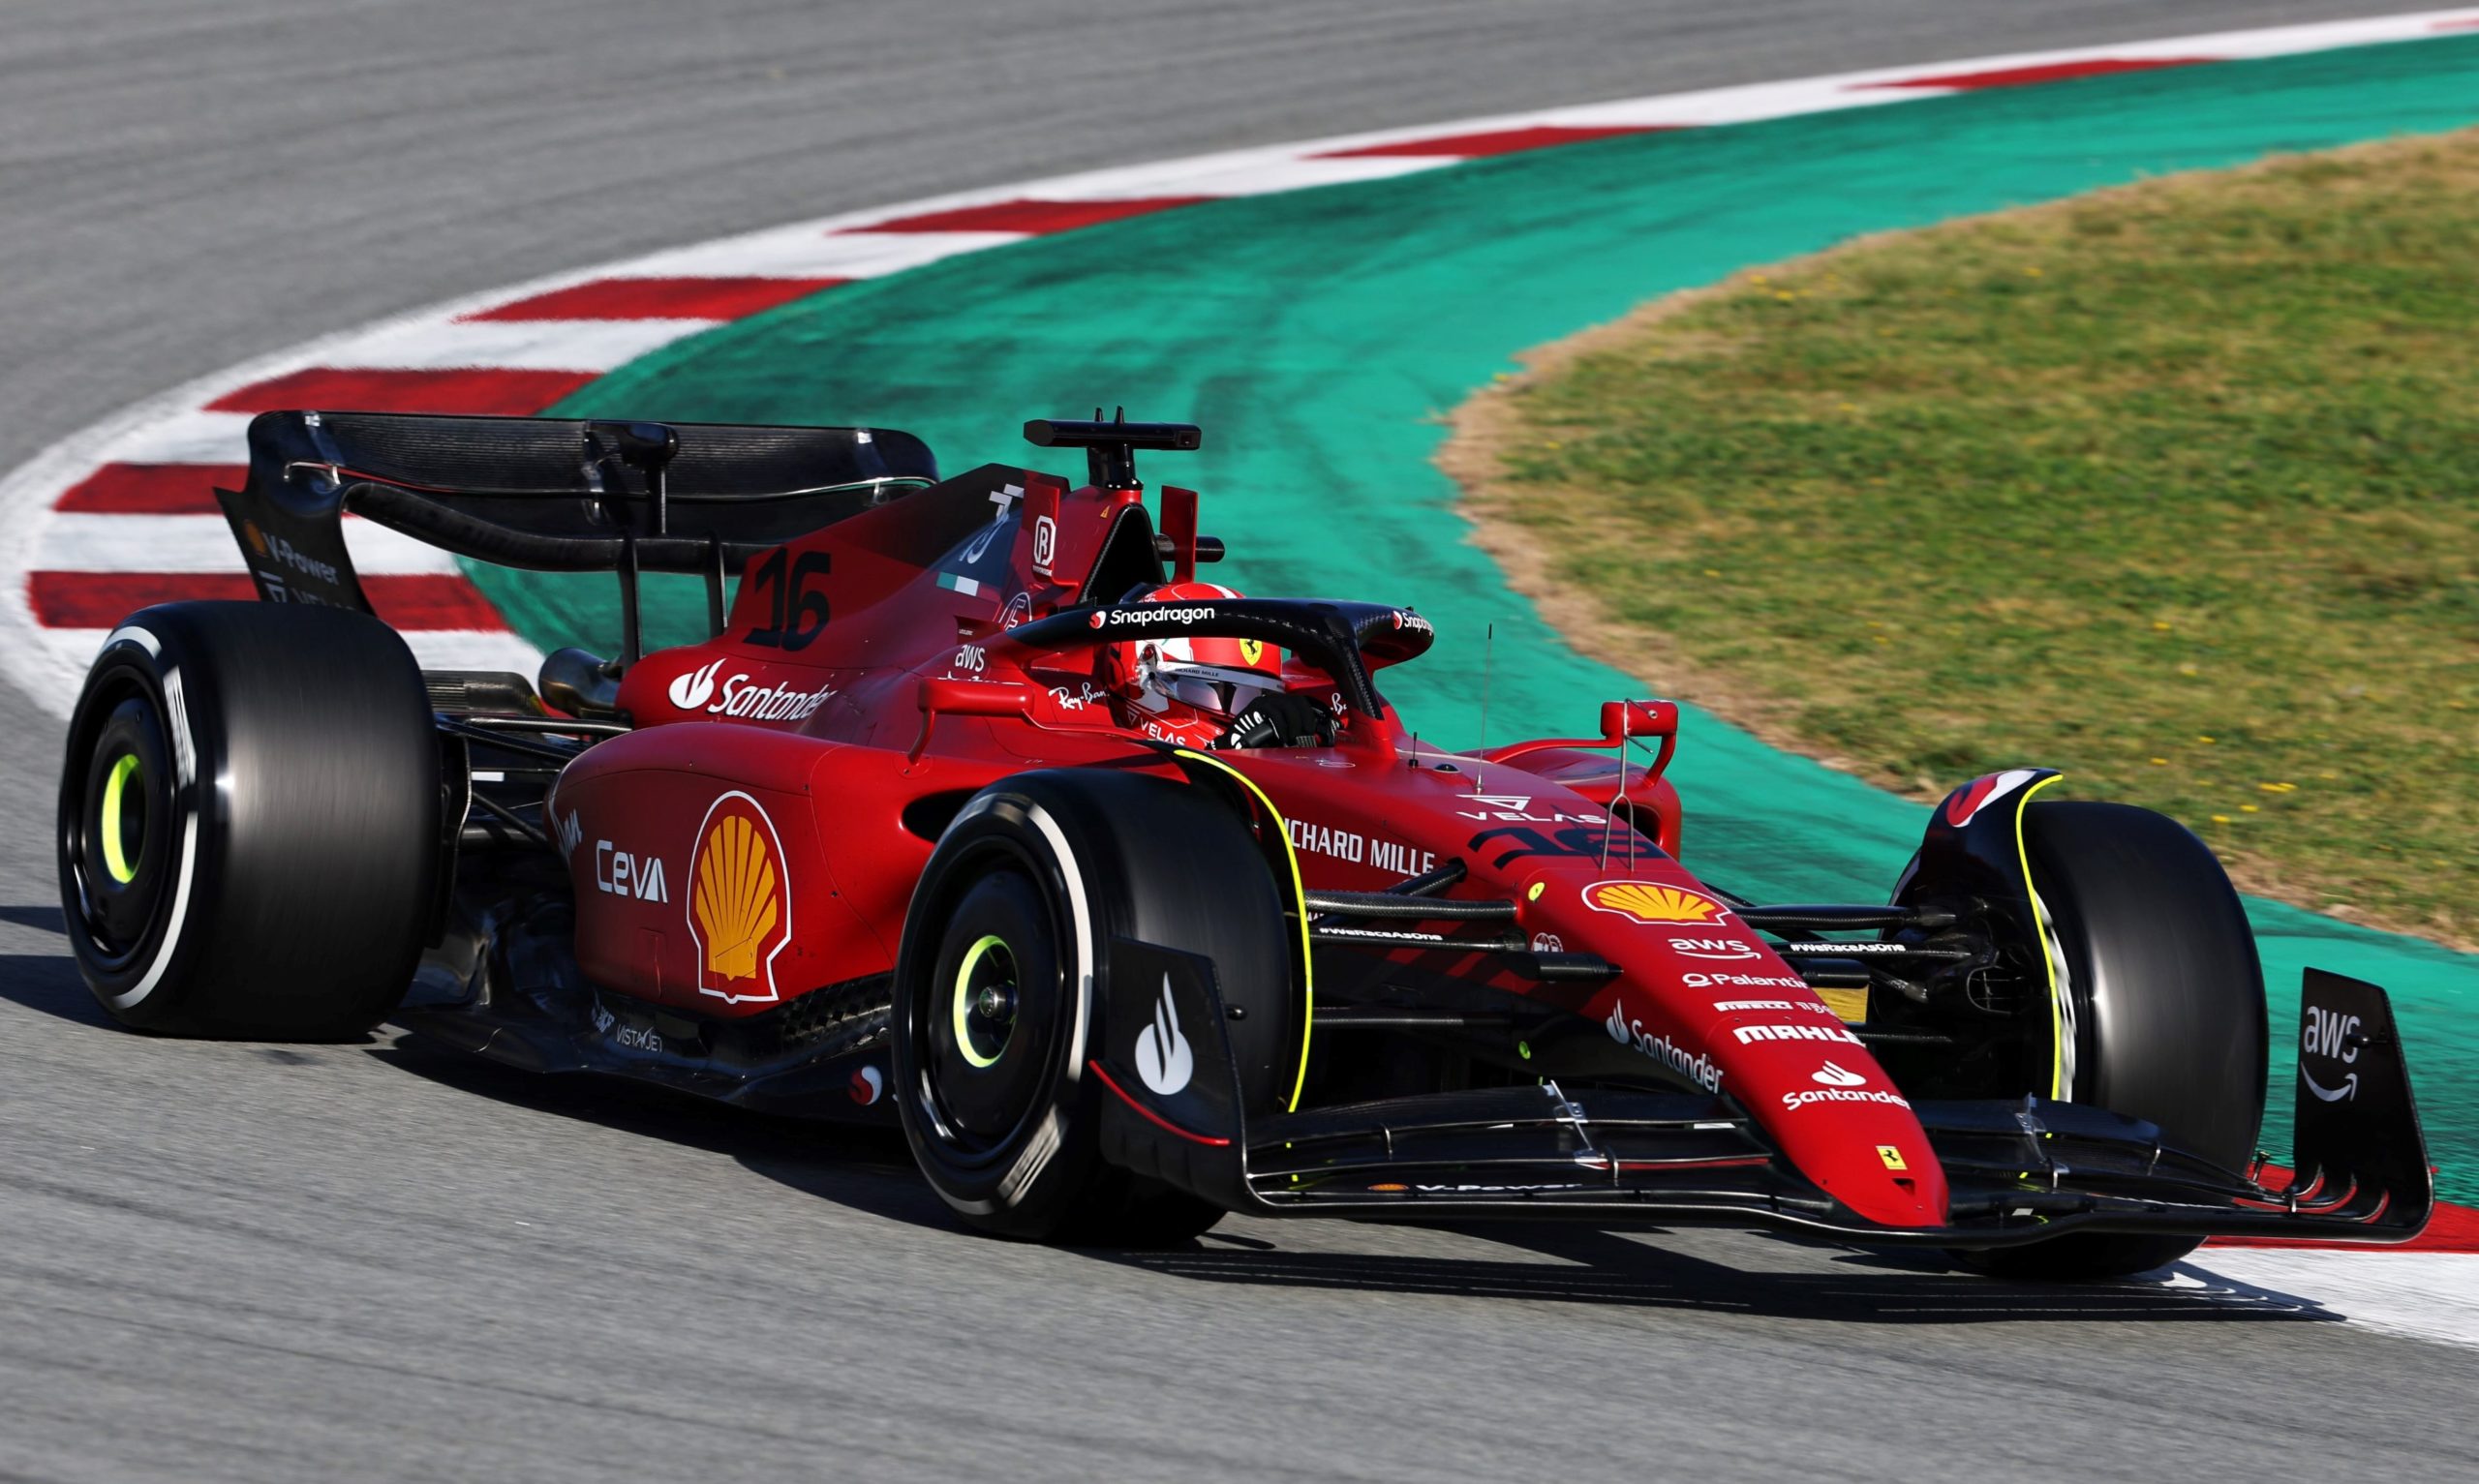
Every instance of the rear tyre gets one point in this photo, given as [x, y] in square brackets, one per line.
[998, 992]
[2168, 999]
[249, 832]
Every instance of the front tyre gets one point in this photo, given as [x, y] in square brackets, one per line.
[2168, 997]
[999, 983]
[248, 829]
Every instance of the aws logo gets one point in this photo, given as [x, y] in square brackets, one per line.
[1651, 901]
[740, 902]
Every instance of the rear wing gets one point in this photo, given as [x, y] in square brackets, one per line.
[552, 495]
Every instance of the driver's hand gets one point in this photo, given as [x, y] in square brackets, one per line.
[1280, 719]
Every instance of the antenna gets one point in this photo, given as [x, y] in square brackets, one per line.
[1488, 645]
[1620, 791]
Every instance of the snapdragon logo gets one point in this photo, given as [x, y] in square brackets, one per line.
[1695, 1067]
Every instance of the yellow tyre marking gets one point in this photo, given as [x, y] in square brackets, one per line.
[1299, 896]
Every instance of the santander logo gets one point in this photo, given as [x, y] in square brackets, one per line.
[1837, 1084]
[695, 688]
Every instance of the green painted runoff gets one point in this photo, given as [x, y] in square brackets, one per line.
[1320, 336]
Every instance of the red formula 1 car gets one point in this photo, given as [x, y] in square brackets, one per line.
[1131, 896]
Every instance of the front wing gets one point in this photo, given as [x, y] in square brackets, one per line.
[2018, 1171]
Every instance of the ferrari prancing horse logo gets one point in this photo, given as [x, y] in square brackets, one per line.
[740, 904]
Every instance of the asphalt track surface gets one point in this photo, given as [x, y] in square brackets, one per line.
[274, 1263]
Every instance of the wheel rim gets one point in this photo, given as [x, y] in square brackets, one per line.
[990, 1019]
[985, 1002]
[122, 823]
[117, 826]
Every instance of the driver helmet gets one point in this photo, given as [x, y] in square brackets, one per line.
[1187, 688]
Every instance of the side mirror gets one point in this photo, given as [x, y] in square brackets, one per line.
[1630, 719]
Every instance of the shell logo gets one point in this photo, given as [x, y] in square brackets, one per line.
[740, 902]
[1651, 901]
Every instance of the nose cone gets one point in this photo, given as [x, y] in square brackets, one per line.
[1873, 1159]
[1703, 994]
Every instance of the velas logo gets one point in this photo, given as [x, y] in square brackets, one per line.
[740, 902]
[695, 688]
[1653, 902]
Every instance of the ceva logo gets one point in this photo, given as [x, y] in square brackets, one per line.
[695, 688]
[1164, 1062]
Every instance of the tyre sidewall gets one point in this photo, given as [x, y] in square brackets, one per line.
[306, 817]
[140, 985]
[1121, 855]
[2161, 972]
[1018, 1187]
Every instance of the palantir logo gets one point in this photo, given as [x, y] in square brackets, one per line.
[695, 688]
[1163, 1061]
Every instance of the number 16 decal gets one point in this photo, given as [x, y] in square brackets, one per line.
[799, 607]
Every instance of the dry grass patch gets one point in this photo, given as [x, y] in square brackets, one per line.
[2174, 486]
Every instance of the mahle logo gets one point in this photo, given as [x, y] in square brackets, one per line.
[740, 903]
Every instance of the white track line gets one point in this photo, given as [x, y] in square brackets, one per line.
[2426, 1295]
